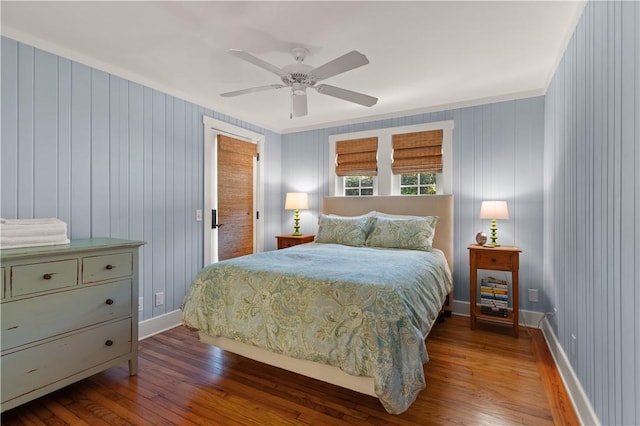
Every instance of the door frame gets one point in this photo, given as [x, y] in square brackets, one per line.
[212, 128]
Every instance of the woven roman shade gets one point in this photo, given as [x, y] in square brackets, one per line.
[419, 152]
[357, 157]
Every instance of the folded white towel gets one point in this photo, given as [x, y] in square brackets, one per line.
[32, 232]
[59, 228]
[6, 245]
[32, 239]
[37, 221]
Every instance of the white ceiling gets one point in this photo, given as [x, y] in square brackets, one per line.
[424, 55]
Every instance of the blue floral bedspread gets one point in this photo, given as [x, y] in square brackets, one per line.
[363, 310]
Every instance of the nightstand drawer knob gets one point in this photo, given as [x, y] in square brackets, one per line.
[109, 302]
[47, 276]
[494, 260]
[109, 342]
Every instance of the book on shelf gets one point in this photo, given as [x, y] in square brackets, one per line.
[494, 282]
[494, 311]
[494, 290]
[494, 302]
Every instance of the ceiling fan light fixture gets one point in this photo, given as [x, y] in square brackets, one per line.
[299, 88]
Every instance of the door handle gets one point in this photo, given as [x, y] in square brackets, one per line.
[214, 219]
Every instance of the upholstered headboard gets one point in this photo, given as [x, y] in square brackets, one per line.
[418, 205]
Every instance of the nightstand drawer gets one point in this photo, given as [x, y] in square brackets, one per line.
[286, 241]
[496, 260]
[100, 268]
[38, 277]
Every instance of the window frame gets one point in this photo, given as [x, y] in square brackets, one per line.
[386, 183]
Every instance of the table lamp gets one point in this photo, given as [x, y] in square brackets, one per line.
[296, 201]
[494, 210]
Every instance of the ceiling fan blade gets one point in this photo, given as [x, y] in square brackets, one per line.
[299, 105]
[258, 62]
[346, 62]
[347, 95]
[252, 90]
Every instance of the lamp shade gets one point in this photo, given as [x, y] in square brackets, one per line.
[296, 201]
[494, 210]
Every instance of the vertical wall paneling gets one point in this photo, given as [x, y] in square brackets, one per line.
[136, 161]
[80, 223]
[124, 166]
[25, 129]
[629, 216]
[64, 164]
[45, 134]
[111, 158]
[591, 222]
[158, 194]
[9, 129]
[180, 206]
[100, 155]
[169, 198]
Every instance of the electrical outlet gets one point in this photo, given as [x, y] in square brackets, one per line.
[573, 346]
[198, 215]
[140, 305]
[533, 295]
[160, 298]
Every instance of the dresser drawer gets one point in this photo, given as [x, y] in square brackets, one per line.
[106, 267]
[26, 371]
[496, 260]
[32, 319]
[39, 277]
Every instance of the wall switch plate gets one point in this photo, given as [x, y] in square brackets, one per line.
[160, 298]
[533, 295]
[199, 215]
[140, 305]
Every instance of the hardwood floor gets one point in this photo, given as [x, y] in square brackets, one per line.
[484, 376]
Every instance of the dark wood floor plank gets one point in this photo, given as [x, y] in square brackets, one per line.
[481, 376]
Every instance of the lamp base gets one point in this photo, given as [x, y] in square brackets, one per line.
[296, 224]
[494, 234]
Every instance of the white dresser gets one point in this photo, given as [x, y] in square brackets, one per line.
[68, 312]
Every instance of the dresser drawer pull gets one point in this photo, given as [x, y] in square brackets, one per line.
[109, 342]
[494, 260]
[48, 276]
[109, 302]
[109, 267]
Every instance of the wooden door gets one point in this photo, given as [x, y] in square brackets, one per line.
[236, 177]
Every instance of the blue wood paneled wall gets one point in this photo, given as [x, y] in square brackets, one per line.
[592, 207]
[113, 158]
[497, 154]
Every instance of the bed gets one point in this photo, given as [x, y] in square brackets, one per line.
[339, 311]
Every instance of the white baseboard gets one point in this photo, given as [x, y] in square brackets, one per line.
[527, 318]
[156, 325]
[581, 403]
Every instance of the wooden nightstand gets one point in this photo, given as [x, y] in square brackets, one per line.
[285, 241]
[491, 305]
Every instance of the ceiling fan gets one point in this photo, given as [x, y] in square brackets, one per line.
[301, 76]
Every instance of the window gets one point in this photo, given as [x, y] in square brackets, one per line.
[422, 163]
[418, 184]
[356, 164]
[356, 186]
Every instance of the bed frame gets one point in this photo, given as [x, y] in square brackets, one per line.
[419, 205]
